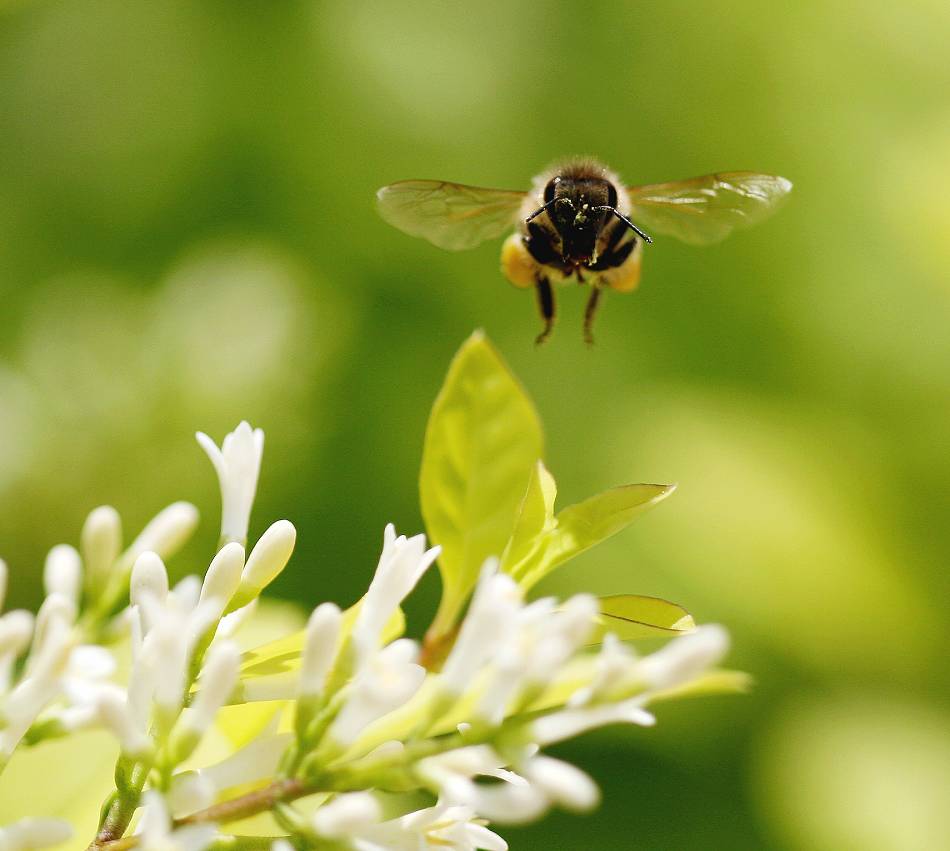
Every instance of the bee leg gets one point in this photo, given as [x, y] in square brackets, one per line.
[546, 307]
[590, 312]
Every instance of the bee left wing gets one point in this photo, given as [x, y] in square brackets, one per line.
[707, 209]
[449, 215]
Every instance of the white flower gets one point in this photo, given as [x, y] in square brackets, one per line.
[506, 802]
[556, 637]
[218, 676]
[685, 658]
[615, 664]
[401, 565]
[451, 774]
[487, 627]
[57, 615]
[156, 834]
[40, 682]
[29, 833]
[542, 638]
[113, 710]
[166, 647]
[87, 667]
[346, 814]
[254, 762]
[385, 683]
[238, 465]
[435, 828]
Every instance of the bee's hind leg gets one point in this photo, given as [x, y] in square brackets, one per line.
[590, 312]
[547, 308]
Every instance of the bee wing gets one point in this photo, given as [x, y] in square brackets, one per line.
[449, 215]
[707, 209]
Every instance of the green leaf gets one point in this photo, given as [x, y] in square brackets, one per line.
[631, 617]
[535, 518]
[576, 528]
[481, 443]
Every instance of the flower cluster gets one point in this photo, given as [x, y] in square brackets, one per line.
[365, 709]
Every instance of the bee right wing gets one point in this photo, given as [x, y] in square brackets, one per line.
[449, 215]
[707, 209]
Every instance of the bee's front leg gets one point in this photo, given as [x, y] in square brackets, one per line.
[523, 269]
[547, 308]
[590, 312]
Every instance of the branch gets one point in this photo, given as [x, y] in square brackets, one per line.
[258, 801]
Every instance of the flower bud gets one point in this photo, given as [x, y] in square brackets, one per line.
[16, 630]
[238, 465]
[223, 576]
[269, 556]
[62, 572]
[562, 783]
[321, 643]
[99, 544]
[166, 532]
[149, 580]
[215, 684]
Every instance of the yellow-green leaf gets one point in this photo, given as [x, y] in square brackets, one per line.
[632, 616]
[481, 444]
[579, 527]
[535, 518]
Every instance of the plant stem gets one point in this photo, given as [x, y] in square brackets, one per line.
[121, 808]
[236, 809]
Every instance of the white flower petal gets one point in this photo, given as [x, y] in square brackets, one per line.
[346, 814]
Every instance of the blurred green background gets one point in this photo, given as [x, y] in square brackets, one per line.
[187, 238]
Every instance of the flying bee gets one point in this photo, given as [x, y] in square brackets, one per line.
[579, 222]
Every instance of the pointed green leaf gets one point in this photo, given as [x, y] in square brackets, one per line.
[631, 617]
[579, 527]
[481, 443]
[535, 518]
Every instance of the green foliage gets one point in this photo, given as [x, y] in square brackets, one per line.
[486, 492]
[632, 616]
[542, 541]
[482, 440]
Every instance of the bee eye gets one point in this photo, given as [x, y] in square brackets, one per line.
[611, 195]
[549, 190]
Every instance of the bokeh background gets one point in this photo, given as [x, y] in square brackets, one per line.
[187, 238]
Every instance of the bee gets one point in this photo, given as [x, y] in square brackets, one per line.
[578, 221]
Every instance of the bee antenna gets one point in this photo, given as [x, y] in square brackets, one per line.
[608, 209]
[544, 207]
